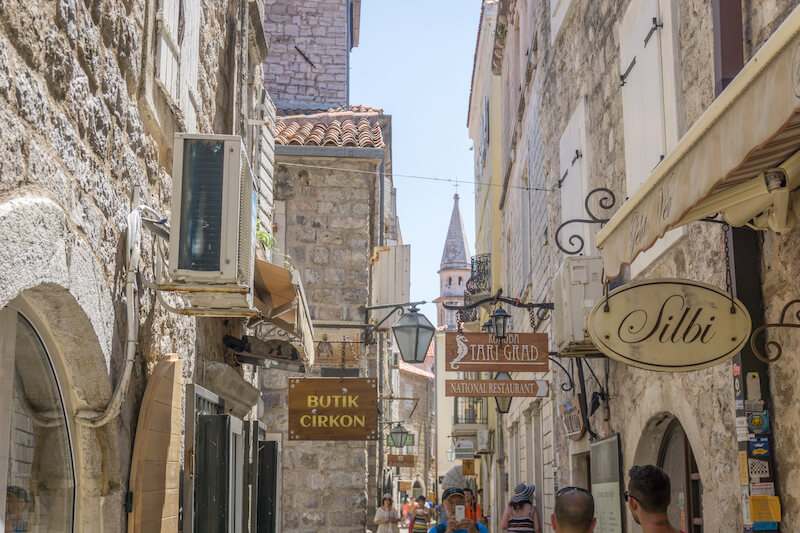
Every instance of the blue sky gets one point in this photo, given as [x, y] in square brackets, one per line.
[414, 60]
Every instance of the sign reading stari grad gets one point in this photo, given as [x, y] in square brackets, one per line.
[507, 388]
[333, 409]
[482, 352]
[669, 325]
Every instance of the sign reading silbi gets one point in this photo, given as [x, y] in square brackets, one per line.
[669, 325]
[483, 352]
[333, 409]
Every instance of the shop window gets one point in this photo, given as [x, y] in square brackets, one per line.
[677, 460]
[36, 461]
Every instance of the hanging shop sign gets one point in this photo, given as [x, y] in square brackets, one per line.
[400, 461]
[537, 388]
[468, 467]
[404, 485]
[572, 418]
[464, 449]
[483, 352]
[333, 409]
[337, 347]
[669, 325]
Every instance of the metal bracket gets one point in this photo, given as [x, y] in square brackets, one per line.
[566, 387]
[656, 25]
[624, 76]
[606, 202]
[773, 344]
[497, 298]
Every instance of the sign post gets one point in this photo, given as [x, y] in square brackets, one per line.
[538, 388]
[483, 352]
[333, 409]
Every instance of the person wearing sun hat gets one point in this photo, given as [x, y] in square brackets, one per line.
[521, 515]
[450, 498]
[386, 517]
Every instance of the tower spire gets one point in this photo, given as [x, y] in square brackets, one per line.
[456, 254]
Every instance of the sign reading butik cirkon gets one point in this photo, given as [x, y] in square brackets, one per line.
[333, 409]
[483, 352]
[669, 325]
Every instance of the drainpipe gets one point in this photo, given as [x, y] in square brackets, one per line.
[380, 337]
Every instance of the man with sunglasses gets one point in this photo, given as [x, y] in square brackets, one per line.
[574, 512]
[648, 497]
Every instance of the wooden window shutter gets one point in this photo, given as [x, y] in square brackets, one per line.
[573, 179]
[189, 61]
[168, 48]
[642, 86]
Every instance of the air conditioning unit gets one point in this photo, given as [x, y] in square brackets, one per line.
[484, 441]
[214, 210]
[577, 286]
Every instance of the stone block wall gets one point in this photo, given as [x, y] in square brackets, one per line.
[308, 53]
[74, 145]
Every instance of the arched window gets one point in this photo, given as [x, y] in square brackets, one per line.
[449, 281]
[459, 281]
[36, 459]
[677, 460]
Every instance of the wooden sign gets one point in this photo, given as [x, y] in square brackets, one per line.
[468, 467]
[670, 325]
[337, 347]
[537, 388]
[404, 485]
[401, 461]
[572, 418]
[333, 409]
[482, 352]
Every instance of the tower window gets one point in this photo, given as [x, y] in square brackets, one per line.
[459, 281]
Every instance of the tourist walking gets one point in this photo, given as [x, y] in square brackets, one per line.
[648, 497]
[386, 516]
[574, 511]
[451, 498]
[473, 509]
[420, 516]
[521, 515]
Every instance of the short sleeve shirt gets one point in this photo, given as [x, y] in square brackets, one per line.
[382, 514]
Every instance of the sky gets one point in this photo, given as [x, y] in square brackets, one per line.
[414, 60]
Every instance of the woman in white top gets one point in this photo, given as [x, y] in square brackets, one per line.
[386, 517]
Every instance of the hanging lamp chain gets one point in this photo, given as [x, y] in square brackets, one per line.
[726, 229]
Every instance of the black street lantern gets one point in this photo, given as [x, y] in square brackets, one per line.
[413, 333]
[399, 435]
[503, 402]
[500, 320]
[488, 326]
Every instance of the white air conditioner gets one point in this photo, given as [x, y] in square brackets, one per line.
[214, 209]
[577, 286]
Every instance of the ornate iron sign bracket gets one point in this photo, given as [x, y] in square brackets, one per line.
[606, 202]
[773, 344]
[537, 311]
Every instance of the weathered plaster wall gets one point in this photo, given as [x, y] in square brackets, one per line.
[417, 419]
[319, 29]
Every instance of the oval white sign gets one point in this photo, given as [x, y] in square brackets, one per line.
[670, 325]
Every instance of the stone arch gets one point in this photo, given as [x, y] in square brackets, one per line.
[49, 274]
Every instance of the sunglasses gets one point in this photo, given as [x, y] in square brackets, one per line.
[564, 490]
[628, 495]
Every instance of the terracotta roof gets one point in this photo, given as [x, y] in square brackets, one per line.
[363, 133]
[312, 111]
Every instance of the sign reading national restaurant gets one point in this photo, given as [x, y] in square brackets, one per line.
[503, 388]
[333, 409]
[669, 325]
[483, 352]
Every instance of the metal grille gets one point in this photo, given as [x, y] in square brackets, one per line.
[479, 280]
[470, 411]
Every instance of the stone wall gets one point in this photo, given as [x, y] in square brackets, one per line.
[330, 227]
[75, 143]
[318, 29]
[583, 63]
[417, 419]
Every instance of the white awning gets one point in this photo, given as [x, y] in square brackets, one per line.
[736, 160]
[280, 297]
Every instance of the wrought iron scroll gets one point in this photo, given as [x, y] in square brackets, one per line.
[566, 387]
[537, 315]
[606, 202]
[773, 345]
[479, 279]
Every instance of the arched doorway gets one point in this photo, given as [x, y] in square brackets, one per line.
[677, 459]
[417, 489]
[36, 455]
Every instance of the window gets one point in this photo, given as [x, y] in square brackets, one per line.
[650, 104]
[574, 180]
[177, 55]
[459, 281]
[36, 465]
[677, 460]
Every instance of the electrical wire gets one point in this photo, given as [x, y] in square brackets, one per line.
[413, 176]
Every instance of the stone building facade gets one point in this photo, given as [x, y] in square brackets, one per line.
[89, 103]
[554, 76]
